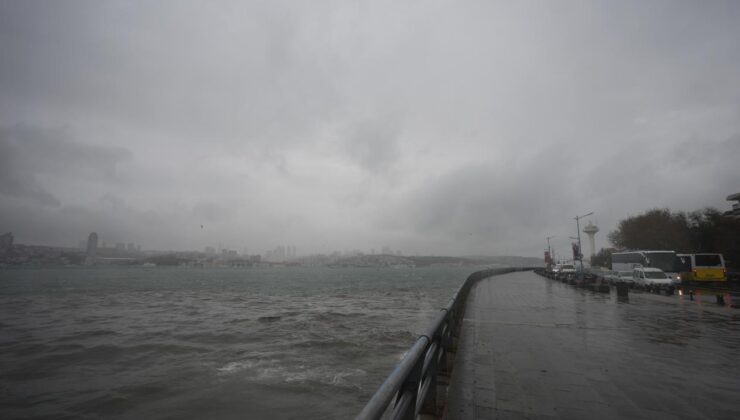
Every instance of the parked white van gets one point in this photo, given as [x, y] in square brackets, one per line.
[653, 279]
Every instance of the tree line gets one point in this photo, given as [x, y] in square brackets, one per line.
[705, 230]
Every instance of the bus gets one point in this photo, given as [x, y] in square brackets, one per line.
[664, 260]
[705, 267]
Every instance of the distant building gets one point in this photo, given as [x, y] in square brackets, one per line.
[130, 247]
[386, 250]
[120, 246]
[6, 241]
[280, 253]
[92, 245]
[210, 250]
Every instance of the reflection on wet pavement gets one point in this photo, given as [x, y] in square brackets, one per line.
[535, 348]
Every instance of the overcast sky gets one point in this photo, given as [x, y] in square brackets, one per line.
[433, 127]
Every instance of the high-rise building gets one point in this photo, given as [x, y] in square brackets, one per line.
[280, 253]
[130, 247]
[92, 245]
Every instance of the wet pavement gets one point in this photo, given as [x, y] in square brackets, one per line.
[534, 348]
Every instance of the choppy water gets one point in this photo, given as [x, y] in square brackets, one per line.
[210, 343]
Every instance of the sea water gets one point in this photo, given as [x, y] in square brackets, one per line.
[177, 343]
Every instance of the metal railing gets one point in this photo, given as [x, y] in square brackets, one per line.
[411, 389]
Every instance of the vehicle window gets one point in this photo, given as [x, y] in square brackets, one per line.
[712, 260]
[662, 260]
[683, 264]
[655, 275]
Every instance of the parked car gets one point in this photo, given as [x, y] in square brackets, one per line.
[652, 279]
[615, 277]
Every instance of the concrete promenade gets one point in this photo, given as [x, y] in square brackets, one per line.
[534, 348]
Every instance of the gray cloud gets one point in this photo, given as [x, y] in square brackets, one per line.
[374, 143]
[212, 212]
[31, 154]
[479, 128]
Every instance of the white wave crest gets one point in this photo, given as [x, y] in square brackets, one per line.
[273, 371]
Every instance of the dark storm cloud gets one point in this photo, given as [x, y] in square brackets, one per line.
[44, 174]
[485, 205]
[474, 128]
[30, 154]
[110, 217]
[235, 71]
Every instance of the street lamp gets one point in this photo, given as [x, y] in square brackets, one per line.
[578, 229]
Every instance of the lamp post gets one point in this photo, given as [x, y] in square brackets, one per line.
[578, 229]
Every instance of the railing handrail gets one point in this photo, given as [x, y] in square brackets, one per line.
[418, 370]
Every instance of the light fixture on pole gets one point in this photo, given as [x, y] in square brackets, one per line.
[578, 229]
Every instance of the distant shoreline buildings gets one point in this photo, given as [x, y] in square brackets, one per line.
[19, 255]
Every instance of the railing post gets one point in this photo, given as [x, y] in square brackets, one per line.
[411, 386]
[429, 405]
[445, 343]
